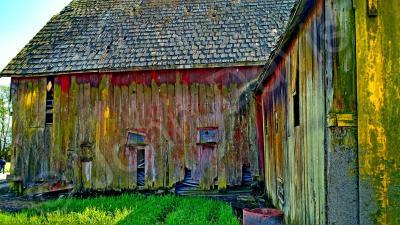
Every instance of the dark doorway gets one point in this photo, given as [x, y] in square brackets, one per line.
[141, 163]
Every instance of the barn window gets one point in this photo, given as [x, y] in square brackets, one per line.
[296, 98]
[136, 138]
[207, 135]
[49, 101]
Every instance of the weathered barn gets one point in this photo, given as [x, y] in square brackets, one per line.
[126, 94]
[328, 114]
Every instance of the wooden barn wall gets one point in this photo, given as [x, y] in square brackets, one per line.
[378, 72]
[30, 150]
[311, 169]
[294, 156]
[99, 109]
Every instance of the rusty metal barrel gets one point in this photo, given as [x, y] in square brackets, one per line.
[262, 216]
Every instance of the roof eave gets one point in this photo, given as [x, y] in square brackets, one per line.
[299, 14]
[6, 73]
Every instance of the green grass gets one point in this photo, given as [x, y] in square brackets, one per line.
[126, 209]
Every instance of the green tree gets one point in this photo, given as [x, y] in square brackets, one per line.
[5, 121]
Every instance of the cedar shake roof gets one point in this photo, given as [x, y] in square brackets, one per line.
[123, 35]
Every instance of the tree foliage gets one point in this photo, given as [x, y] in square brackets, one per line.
[5, 121]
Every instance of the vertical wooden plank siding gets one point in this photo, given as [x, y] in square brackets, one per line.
[94, 112]
[29, 157]
[311, 169]
[378, 69]
[294, 155]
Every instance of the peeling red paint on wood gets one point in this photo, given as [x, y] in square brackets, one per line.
[64, 81]
[168, 106]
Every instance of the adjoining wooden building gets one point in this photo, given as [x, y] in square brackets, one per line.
[126, 94]
[328, 110]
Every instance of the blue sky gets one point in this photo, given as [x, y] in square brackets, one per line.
[20, 20]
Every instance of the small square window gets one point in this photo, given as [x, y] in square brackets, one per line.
[136, 138]
[208, 135]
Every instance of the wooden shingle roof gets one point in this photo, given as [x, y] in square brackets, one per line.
[123, 35]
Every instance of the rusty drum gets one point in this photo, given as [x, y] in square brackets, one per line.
[262, 216]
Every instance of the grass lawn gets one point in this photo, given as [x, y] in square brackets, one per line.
[126, 209]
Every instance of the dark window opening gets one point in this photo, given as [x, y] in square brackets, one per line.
[141, 163]
[49, 101]
[296, 99]
[247, 177]
[296, 110]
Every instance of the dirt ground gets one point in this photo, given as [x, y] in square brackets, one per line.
[9, 202]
